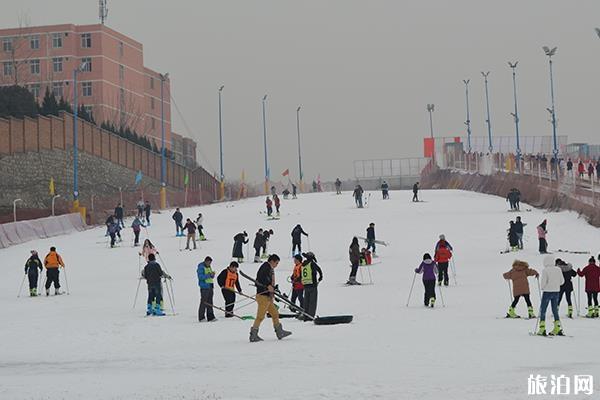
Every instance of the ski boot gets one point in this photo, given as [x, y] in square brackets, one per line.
[158, 310]
[264, 256]
[432, 302]
[57, 292]
[256, 259]
[280, 332]
[202, 238]
[530, 313]
[511, 313]
[254, 335]
[570, 312]
[542, 330]
[47, 292]
[149, 309]
[240, 260]
[557, 331]
[440, 283]
[590, 313]
[35, 293]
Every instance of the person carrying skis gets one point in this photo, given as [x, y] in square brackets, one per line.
[269, 204]
[443, 242]
[513, 238]
[385, 190]
[338, 186]
[31, 270]
[277, 203]
[371, 238]
[358, 196]
[258, 244]
[199, 222]
[519, 225]
[205, 282]
[416, 192]
[265, 287]
[429, 270]
[542, 232]
[354, 254]
[592, 286]
[148, 211]
[178, 218]
[442, 258]
[519, 274]
[297, 233]
[119, 215]
[567, 287]
[552, 280]
[53, 261]
[153, 274]
[297, 287]
[229, 281]
[267, 233]
[294, 189]
[147, 249]
[191, 233]
[310, 281]
[238, 241]
[136, 225]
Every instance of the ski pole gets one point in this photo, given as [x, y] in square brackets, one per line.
[578, 296]
[169, 294]
[137, 291]
[411, 289]
[454, 271]
[509, 290]
[539, 289]
[43, 284]
[21, 287]
[308, 242]
[442, 297]
[66, 280]
[172, 291]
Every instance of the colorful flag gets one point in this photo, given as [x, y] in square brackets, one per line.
[286, 172]
[51, 187]
[186, 180]
[138, 177]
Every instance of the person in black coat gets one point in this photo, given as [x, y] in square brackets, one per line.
[385, 190]
[415, 192]
[31, 270]
[312, 275]
[297, 233]
[238, 241]
[148, 211]
[258, 244]
[119, 215]
[178, 218]
[513, 239]
[567, 287]
[229, 281]
[371, 238]
[153, 274]
[267, 233]
[519, 225]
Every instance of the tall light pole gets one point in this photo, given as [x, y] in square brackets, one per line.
[264, 113]
[79, 68]
[163, 158]
[299, 148]
[488, 120]
[430, 108]
[515, 115]
[468, 121]
[222, 187]
[550, 52]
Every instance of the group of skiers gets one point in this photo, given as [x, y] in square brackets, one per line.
[515, 235]
[190, 226]
[435, 269]
[269, 203]
[514, 199]
[52, 262]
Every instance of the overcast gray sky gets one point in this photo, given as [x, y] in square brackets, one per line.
[363, 71]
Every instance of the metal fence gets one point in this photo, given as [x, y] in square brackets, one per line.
[389, 168]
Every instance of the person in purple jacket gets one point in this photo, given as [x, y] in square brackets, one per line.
[429, 270]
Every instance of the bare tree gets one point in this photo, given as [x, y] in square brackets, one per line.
[20, 53]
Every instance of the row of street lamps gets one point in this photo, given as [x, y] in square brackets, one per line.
[513, 65]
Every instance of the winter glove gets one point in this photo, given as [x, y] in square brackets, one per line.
[416, 270]
[167, 276]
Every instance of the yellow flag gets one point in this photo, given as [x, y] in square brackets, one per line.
[51, 186]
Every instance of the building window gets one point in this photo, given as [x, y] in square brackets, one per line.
[57, 64]
[34, 42]
[86, 40]
[152, 103]
[121, 49]
[34, 66]
[57, 89]
[7, 44]
[86, 89]
[151, 83]
[8, 68]
[153, 121]
[35, 90]
[87, 64]
[121, 72]
[57, 40]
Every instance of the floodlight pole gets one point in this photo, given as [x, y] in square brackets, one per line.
[488, 120]
[513, 66]
[468, 121]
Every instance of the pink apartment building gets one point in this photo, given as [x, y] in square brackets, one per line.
[113, 84]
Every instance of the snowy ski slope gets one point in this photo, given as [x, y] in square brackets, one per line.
[91, 344]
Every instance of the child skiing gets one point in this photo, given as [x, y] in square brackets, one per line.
[542, 232]
[567, 287]
[205, 282]
[429, 269]
[153, 273]
[354, 253]
[371, 238]
[238, 241]
[269, 204]
[136, 226]
[592, 286]
[229, 281]
[552, 280]
[297, 233]
[297, 287]
[113, 231]
[148, 249]
[265, 286]
[442, 258]
[53, 261]
[519, 275]
[31, 270]
[191, 233]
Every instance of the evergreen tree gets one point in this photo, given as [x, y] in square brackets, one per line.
[49, 104]
[17, 101]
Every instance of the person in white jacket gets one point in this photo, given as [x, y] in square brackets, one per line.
[552, 280]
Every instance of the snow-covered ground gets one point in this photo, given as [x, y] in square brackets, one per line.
[91, 344]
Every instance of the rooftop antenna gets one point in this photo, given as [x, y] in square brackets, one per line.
[103, 11]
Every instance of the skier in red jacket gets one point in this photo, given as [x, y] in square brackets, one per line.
[592, 286]
[442, 257]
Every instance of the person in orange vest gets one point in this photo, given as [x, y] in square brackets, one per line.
[229, 281]
[52, 262]
[297, 287]
[442, 257]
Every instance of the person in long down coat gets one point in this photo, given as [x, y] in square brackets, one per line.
[238, 241]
